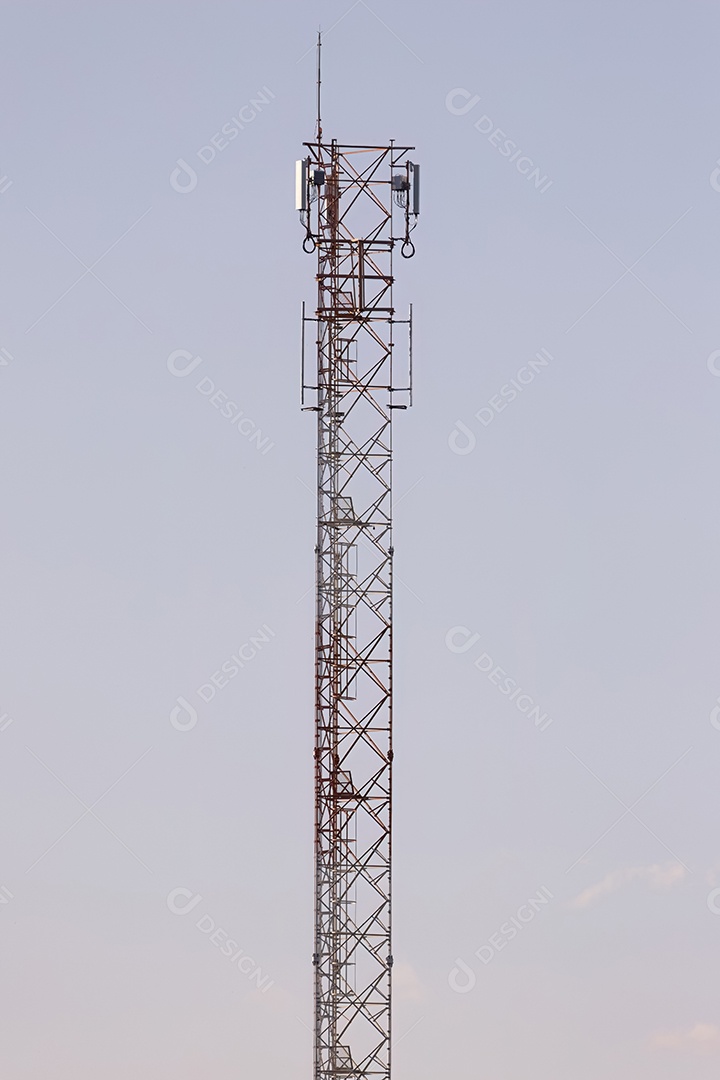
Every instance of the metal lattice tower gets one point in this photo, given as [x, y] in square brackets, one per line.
[353, 201]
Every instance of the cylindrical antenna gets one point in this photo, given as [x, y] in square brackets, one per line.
[318, 127]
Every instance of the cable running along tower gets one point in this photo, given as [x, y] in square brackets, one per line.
[356, 203]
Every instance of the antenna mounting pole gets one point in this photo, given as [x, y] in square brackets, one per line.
[318, 126]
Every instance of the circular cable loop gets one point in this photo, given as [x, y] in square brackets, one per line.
[408, 249]
[306, 249]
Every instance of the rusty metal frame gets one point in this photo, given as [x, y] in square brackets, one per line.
[349, 222]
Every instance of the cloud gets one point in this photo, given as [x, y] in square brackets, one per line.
[704, 1038]
[657, 877]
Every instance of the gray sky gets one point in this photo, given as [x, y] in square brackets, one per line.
[557, 884]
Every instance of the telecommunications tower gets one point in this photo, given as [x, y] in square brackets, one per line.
[355, 203]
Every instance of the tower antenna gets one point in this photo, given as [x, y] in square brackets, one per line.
[357, 205]
[318, 125]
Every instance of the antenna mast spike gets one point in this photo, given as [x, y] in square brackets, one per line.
[318, 126]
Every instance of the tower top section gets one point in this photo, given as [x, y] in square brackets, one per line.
[359, 191]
